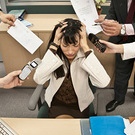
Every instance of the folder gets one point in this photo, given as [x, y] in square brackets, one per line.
[18, 13]
[107, 125]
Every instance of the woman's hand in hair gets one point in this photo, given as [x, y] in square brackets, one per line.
[83, 39]
[59, 33]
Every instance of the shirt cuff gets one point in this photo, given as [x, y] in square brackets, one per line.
[129, 29]
[87, 53]
[129, 51]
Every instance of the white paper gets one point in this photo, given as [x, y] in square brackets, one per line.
[130, 130]
[25, 36]
[87, 13]
[126, 122]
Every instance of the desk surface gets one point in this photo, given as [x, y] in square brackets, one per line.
[25, 126]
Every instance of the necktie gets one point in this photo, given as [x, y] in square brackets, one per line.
[130, 16]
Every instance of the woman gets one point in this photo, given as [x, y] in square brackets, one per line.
[68, 63]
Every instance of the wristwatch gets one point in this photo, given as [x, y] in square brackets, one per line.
[57, 46]
[123, 30]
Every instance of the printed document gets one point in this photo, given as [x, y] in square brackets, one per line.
[87, 13]
[130, 130]
[25, 36]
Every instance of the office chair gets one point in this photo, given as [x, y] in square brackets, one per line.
[37, 99]
[134, 84]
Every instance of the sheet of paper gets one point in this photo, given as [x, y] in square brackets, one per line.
[130, 130]
[25, 36]
[87, 13]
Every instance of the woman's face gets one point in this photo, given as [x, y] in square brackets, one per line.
[70, 50]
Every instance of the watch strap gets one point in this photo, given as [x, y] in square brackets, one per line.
[123, 30]
[52, 43]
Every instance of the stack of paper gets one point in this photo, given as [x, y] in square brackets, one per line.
[130, 129]
[18, 13]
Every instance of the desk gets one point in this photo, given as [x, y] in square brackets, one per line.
[131, 119]
[15, 56]
[44, 126]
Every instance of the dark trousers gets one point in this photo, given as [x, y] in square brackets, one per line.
[123, 70]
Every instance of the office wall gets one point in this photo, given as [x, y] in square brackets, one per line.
[40, 7]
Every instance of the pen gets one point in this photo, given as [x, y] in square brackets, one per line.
[97, 24]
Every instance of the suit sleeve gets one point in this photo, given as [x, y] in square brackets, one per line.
[49, 64]
[134, 25]
[111, 13]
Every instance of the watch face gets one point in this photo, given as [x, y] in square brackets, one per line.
[34, 64]
[123, 30]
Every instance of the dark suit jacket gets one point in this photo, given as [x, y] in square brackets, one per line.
[118, 12]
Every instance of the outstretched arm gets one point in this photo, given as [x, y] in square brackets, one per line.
[7, 18]
[11, 80]
[112, 48]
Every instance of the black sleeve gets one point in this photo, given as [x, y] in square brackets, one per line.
[111, 13]
[0, 10]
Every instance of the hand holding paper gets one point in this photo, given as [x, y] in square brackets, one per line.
[87, 13]
[25, 36]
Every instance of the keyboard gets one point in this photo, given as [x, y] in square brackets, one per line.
[5, 129]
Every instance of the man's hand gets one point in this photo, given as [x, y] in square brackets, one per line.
[99, 20]
[112, 48]
[11, 80]
[7, 18]
[111, 27]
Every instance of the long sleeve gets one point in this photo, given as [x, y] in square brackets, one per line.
[49, 64]
[129, 51]
[96, 71]
[111, 13]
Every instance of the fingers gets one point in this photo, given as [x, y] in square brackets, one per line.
[100, 20]
[104, 42]
[15, 73]
[63, 26]
[10, 19]
[10, 23]
[83, 27]
[109, 23]
[97, 49]
[111, 27]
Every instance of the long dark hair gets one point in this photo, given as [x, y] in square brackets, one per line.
[72, 29]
